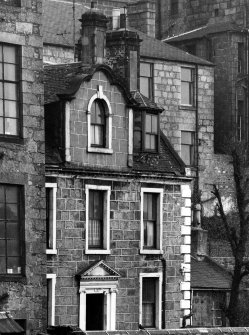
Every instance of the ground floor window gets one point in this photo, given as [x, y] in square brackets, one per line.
[150, 300]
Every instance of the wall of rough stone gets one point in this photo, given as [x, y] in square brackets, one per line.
[22, 163]
[193, 14]
[125, 213]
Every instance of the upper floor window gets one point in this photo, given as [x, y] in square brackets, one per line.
[51, 189]
[9, 91]
[187, 86]
[174, 7]
[97, 219]
[151, 220]
[51, 282]
[241, 57]
[146, 80]
[99, 121]
[11, 229]
[98, 124]
[188, 147]
[146, 131]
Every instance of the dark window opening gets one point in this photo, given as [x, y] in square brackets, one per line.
[96, 218]
[149, 303]
[95, 312]
[241, 57]
[174, 7]
[98, 124]
[11, 248]
[9, 91]
[146, 132]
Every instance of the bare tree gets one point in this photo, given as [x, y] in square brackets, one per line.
[237, 235]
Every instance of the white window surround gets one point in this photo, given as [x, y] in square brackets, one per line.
[53, 250]
[52, 277]
[108, 149]
[156, 275]
[159, 249]
[106, 219]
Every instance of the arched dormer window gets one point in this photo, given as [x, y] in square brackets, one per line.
[99, 122]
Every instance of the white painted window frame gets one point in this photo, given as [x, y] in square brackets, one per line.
[53, 251]
[51, 318]
[108, 131]
[158, 276]
[159, 249]
[106, 220]
[109, 289]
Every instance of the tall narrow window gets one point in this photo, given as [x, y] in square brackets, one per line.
[174, 7]
[9, 91]
[241, 57]
[150, 219]
[11, 248]
[51, 189]
[187, 86]
[151, 130]
[150, 299]
[98, 124]
[95, 230]
[149, 302]
[146, 80]
[188, 147]
[51, 281]
[240, 113]
[98, 219]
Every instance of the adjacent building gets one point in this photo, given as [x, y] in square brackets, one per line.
[22, 172]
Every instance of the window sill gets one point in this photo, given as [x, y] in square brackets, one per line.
[100, 150]
[13, 278]
[187, 107]
[51, 251]
[151, 252]
[97, 252]
[11, 139]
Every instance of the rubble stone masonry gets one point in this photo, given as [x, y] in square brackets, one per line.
[22, 163]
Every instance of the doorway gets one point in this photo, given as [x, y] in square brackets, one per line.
[95, 312]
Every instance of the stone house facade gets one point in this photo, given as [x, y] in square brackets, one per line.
[22, 172]
[118, 198]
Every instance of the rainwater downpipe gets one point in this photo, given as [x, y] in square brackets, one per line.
[163, 260]
[197, 200]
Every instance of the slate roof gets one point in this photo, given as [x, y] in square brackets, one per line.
[207, 274]
[204, 31]
[58, 30]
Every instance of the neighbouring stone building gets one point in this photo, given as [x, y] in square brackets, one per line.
[22, 171]
[119, 201]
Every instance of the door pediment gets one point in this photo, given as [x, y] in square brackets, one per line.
[98, 271]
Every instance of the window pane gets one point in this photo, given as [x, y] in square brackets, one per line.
[185, 154]
[95, 233]
[11, 108]
[10, 91]
[10, 126]
[2, 248]
[2, 227]
[148, 301]
[185, 93]
[49, 217]
[186, 74]
[11, 212]
[149, 233]
[10, 72]
[2, 264]
[11, 194]
[9, 54]
[145, 69]
[1, 90]
[2, 194]
[12, 230]
[186, 137]
[1, 72]
[13, 248]
[145, 86]
[1, 125]
[13, 265]
[148, 123]
[154, 123]
[2, 214]
[1, 107]
[137, 139]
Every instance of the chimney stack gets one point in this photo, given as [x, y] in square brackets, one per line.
[93, 36]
